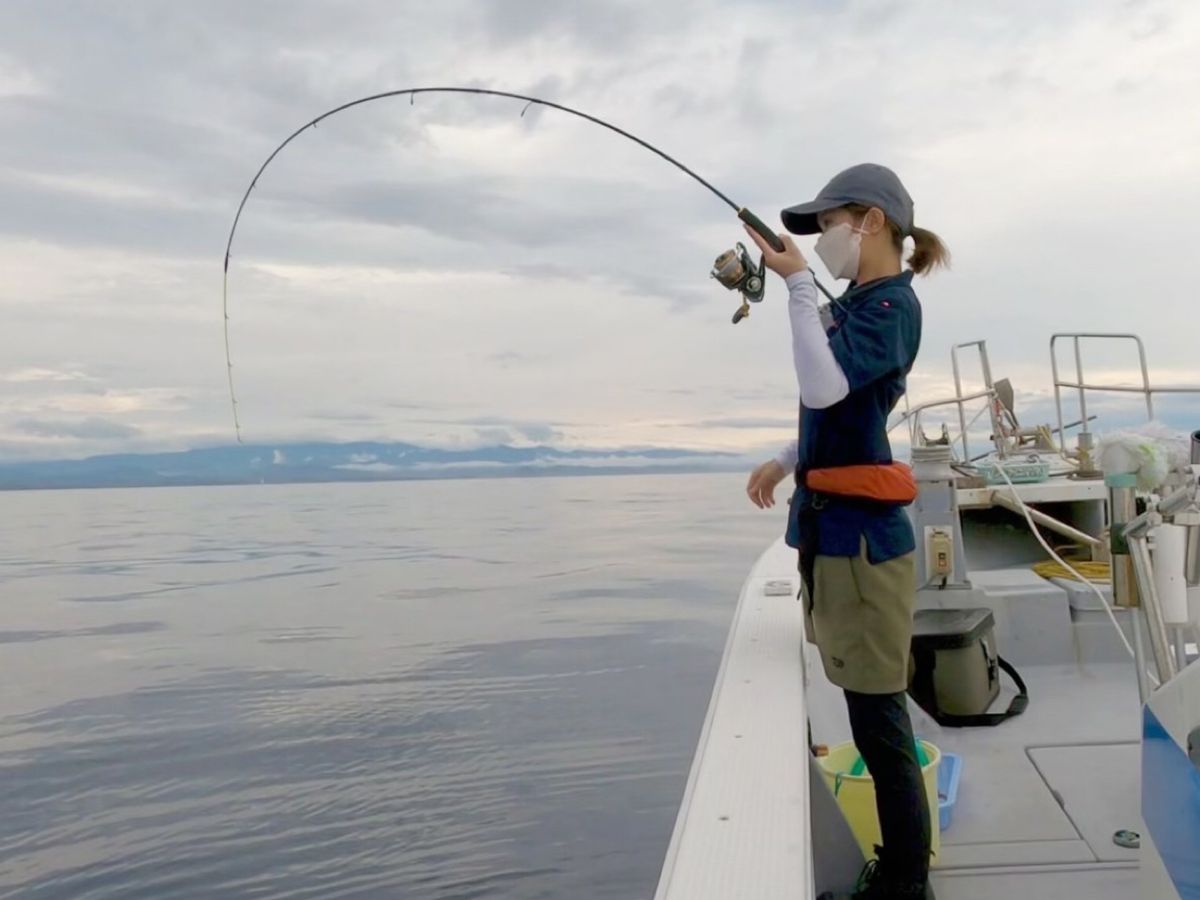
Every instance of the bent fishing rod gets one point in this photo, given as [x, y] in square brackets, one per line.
[734, 269]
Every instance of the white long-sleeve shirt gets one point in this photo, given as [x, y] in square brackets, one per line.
[821, 380]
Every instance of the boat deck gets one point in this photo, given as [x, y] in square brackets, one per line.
[1042, 796]
[1050, 790]
[1039, 800]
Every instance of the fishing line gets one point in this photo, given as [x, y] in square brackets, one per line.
[734, 269]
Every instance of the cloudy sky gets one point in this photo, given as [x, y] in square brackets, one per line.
[450, 272]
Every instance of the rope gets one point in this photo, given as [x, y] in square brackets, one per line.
[1095, 572]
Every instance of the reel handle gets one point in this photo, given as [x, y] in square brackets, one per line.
[761, 227]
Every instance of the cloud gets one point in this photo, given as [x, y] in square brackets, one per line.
[64, 213]
[342, 416]
[423, 271]
[539, 432]
[37, 376]
[474, 208]
[98, 400]
[507, 358]
[749, 422]
[83, 429]
[579, 23]
[17, 81]
[368, 467]
[487, 436]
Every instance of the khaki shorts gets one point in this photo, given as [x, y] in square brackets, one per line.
[860, 616]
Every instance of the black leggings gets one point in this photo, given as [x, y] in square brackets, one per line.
[884, 736]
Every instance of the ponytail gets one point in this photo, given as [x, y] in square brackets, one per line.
[928, 252]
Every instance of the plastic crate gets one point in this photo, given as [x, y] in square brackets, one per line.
[949, 773]
[1024, 472]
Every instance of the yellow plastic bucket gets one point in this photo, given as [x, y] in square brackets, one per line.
[855, 794]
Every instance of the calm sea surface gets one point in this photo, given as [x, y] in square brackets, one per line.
[449, 689]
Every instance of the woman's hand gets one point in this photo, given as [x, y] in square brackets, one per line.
[789, 262]
[763, 481]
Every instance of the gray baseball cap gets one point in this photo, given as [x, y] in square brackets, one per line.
[867, 184]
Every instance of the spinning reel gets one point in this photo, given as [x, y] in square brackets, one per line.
[735, 270]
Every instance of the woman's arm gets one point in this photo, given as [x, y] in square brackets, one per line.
[821, 379]
[789, 456]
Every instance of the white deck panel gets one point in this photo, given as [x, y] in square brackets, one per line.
[1097, 792]
[743, 828]
[1099, 882]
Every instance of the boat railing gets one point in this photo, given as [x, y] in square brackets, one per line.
[989, 386]
[1082, 385]
[912, 415]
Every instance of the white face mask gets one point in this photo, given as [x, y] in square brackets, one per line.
[839, 249]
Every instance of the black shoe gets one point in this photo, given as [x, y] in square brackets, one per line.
[870, 886]
[873, 884]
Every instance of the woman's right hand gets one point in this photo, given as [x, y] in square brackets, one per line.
[763, 481]
[783, 263]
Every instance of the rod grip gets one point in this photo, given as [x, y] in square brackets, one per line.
[761, 227]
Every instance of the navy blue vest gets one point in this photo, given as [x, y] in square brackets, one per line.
[875, 335]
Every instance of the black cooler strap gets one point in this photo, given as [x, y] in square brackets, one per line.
[1015, 708]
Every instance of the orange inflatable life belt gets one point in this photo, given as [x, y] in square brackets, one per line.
[882, 482]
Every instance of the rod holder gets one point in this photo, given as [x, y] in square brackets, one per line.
[1160, 642]
[1191, 559]
[1122, 506]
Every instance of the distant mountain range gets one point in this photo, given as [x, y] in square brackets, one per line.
[364, 461]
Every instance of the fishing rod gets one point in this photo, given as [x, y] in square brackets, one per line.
[734, 269]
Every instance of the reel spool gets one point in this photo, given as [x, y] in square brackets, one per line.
[735, 270]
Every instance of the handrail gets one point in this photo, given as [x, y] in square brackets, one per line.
[914, 414]
[1081, 386]
[985, 366]
[930, 404]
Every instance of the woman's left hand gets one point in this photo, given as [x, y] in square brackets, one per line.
[763, 481]
[789, 262]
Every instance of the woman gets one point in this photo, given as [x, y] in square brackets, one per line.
[855, 540]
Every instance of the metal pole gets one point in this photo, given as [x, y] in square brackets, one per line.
[1180, 647]
[1062, 528]
[1062, 432]
[1122, 508]
[962, 413]
[987, 366]
[1160, 646]
[1079, 376]
[1145, 378]
[1191, 557]
[1139, 656]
